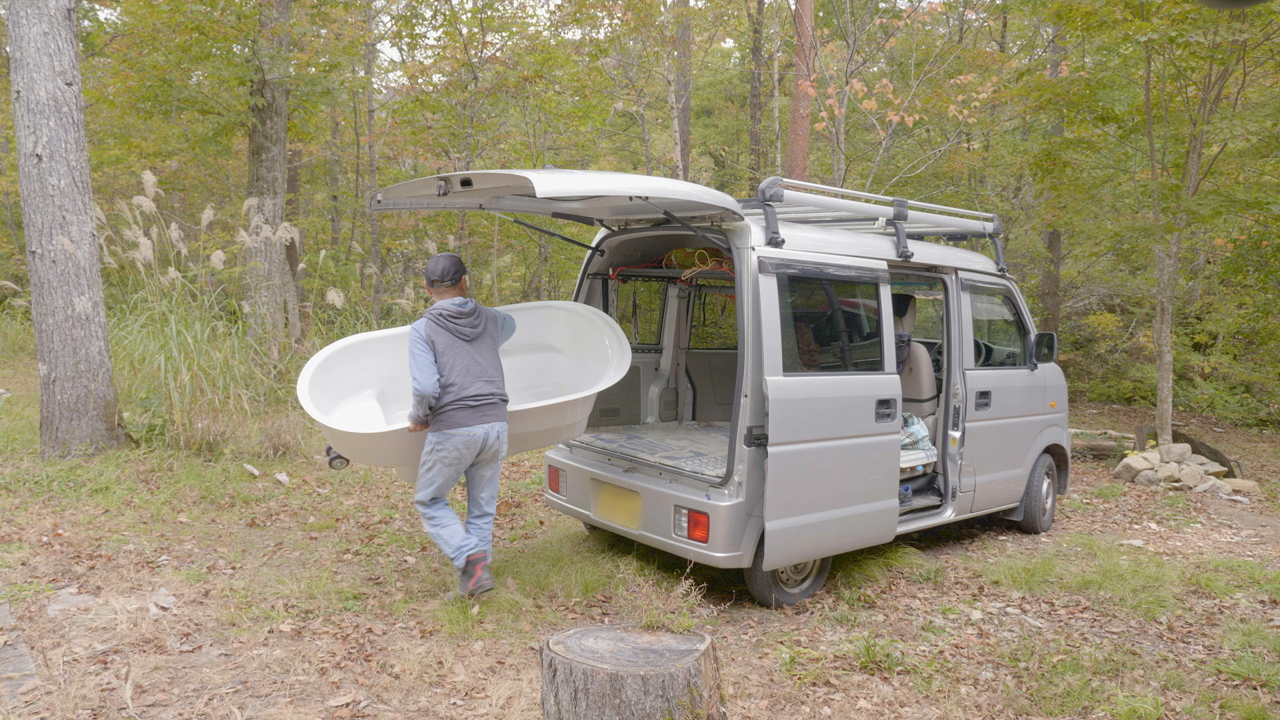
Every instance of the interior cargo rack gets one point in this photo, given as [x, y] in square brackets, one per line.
[794, 201]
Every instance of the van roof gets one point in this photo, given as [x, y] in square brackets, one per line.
[851, 243]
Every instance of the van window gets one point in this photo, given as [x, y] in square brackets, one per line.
[829, 325]
[715, 319]
[1000, 337]
[638, 309]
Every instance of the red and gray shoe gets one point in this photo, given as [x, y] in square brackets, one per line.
[475, 578]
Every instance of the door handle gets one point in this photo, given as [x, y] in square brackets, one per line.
[982, 401]
[886, 410]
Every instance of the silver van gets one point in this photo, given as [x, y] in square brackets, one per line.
[815, 370]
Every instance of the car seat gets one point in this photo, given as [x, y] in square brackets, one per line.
[919, 385]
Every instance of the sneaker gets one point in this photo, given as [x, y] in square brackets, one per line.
[475, 578]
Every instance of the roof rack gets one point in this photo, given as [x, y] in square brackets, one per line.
[794, 201]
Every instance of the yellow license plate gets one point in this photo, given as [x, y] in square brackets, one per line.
[618, 505]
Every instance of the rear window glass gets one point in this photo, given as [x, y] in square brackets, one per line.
[638, 310]
[715, 318]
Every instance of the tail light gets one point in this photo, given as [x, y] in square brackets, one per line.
[692, 524]
[553, 479]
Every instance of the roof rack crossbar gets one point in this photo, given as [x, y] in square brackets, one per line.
[780, 199]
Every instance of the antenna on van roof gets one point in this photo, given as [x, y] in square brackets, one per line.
[782, 200]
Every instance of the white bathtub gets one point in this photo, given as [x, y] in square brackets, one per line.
[561, 355]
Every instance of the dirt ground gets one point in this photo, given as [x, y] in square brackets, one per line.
[158, 584]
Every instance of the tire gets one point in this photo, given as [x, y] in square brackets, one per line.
[1040, 499]
[591, 529]
[787, 585]
[337, 462]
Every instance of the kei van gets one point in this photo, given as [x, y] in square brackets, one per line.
[814, 370]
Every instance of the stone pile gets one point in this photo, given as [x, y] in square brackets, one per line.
[1175, 467]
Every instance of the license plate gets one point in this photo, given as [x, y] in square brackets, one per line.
[618, 505]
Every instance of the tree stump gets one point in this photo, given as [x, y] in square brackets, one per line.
[616, 673]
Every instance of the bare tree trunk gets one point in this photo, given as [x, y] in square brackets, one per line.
[797, 162]
[755, 102]
[1051, 280]
[269, 284]
[292, 189]
[681, 86]
[334, 181]
[1167, 272]
[371, 119]
[78, 410]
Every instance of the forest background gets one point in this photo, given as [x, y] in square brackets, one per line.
[1111, 137]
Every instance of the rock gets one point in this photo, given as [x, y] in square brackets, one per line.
[1129, 468]
[1214, 469]
[1215, 486]
[1241, 486]
[1152, 456]
[70, 598]
[1175, 452]
[1147, 478]
[1167, 472]
[1190, 476]
[1135, 543]
[1198, 459]
[1146, 435]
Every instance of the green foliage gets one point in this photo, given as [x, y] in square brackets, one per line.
[1097, 567]
[1136, 707]
[1037, 111]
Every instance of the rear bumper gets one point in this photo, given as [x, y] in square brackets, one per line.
[581, 476]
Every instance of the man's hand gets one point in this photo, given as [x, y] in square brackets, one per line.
[414, 427]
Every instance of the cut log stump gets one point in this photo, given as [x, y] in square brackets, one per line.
[612, 673]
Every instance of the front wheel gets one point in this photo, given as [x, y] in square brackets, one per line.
[786, 585]
[1041, 496]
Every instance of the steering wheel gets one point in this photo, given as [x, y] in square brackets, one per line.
[981, 353]
[935, 357]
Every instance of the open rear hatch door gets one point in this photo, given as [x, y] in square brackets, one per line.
[591, 197]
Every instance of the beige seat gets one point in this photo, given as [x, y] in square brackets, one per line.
[919, 386]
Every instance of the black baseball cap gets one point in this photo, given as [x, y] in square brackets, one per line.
[444, 270]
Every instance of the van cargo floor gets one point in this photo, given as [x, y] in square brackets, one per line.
[702, 449]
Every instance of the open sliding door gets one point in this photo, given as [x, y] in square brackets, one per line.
[834, 403]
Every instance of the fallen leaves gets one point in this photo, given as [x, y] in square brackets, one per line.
[160, 602]
[341, 700]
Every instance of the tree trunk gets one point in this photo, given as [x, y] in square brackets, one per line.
[1167, 272]
[796, 165]
[335, 181]
[371, 118]
[78, 410]
[755, 102]
[292, 189]
[269, 283]
[1051, 280]
[611, 673]
[681, 87]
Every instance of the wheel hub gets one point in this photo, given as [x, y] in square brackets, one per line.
[795, 577]
[1046, 493]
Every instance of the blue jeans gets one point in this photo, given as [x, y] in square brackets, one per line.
[477, 452]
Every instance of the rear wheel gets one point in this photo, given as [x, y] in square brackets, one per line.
[786, 585]
[1040, 499]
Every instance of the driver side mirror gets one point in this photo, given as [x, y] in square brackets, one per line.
[1045, 349]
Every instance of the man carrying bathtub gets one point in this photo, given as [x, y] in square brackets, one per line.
[460, 399]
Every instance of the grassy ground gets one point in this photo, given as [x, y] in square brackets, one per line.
[167, 583]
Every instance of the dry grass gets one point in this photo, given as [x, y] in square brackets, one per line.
[291, 598]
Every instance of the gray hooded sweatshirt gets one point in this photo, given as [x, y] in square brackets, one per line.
[453, 359]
